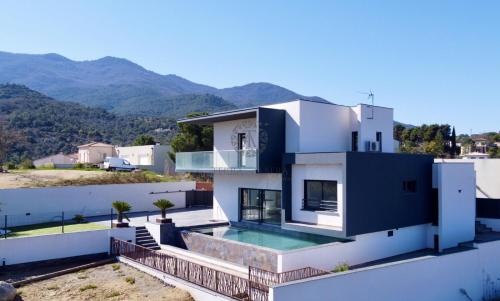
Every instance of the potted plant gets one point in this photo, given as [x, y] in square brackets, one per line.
[163, 205]
[121, 207]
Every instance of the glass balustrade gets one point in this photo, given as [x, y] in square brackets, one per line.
[217, 160]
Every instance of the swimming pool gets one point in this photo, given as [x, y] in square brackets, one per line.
[275, 240]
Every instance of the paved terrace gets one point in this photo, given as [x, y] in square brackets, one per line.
[185, 217]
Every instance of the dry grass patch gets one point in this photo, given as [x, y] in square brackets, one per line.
[104, 283]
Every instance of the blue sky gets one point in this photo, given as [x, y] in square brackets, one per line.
[433, 61]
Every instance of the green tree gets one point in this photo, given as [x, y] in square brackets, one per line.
[453, 149]
[193, 137]
[398, 132]
[163, 205]
[144, 140]
[121, 207]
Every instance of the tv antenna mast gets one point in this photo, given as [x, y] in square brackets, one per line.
[371, 97]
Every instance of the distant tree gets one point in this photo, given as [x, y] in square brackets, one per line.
[144, 140]
[453, 150]
[398, 132]
[193, 137]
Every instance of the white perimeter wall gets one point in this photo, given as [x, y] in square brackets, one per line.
[317, 172]
[226, 187]
[55, 246]
[365, 248]
[457, 203]
[86, 200]
[428, 278]
[487, 176]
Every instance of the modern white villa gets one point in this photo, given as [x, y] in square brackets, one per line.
[325, 169]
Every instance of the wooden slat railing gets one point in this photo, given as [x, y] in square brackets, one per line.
[209, 278]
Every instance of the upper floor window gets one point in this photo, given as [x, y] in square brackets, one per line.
[410, 186]
[379, 140]
[320, 195]
[354, 141]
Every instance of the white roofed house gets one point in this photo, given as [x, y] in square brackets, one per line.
[151, 157]
[58, 160]
[95, 152]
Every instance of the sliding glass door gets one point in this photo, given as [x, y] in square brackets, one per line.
[262, 206]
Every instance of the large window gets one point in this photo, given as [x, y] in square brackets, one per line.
[320, 195]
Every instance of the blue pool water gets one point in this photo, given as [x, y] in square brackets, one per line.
[268, 239]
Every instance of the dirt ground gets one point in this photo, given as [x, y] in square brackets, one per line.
[33, 178]
[108, 282]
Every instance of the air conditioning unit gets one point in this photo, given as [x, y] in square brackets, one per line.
[372, 146]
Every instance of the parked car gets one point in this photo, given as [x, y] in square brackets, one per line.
[112, 163]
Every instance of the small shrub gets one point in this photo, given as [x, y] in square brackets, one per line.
[26, 164]
[79, 165]
[88, 287]
[81, 277]
[115, 267]
[130, 280]
[10, 165]
[342, 267]
[113, 294]
[19, 293]
[53, 287]
[49, 166]
[78, 218]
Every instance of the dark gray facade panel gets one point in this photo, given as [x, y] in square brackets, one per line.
[271, 140]
[286, 185]
[488, 208]
[375, 198]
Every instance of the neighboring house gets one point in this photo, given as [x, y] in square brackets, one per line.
[475, 155]
[151, 157]
[59, 160]
[95, 152]
[330, 169]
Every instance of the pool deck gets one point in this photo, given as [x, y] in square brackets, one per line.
[185, 217]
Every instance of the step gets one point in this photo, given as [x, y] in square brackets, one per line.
[140, 227]
[141, 231]
[145, 241]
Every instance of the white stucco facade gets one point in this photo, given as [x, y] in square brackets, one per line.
[226, 191]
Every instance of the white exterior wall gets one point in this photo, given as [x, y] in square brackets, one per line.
[365, 248]
[324, 128]
[319, 127]
[95, 154]
[42, 203]
[55, 246]
[226, 140]
[137, 155]
[292, 124]
[226, 189]
[317, 172]
[151, 157]
[457, 203]
[443, 278]
[383, 121]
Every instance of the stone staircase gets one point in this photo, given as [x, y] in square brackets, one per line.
[482, 228]
[144, 239]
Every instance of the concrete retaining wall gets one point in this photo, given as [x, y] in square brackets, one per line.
[36, 205]
[56, 246]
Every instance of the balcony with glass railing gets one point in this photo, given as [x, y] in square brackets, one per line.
[216, 160]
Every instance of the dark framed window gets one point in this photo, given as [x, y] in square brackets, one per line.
[354, 141]
[320, 195]
[379, 140]
[410, 186]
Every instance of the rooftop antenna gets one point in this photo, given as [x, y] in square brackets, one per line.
[371, 97]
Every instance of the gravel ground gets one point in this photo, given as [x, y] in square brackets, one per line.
[31, 178]
[108, 282]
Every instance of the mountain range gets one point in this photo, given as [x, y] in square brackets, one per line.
[123, 87]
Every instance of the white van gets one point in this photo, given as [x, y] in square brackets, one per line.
[112, 163]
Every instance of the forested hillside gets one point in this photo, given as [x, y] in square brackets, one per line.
[34, 125]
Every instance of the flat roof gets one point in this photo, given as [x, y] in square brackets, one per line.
[222, 116]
